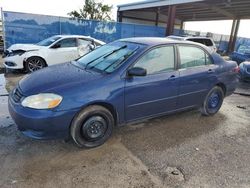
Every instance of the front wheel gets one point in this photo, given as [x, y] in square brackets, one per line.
[34, 63]
[92, 126]
[213, 101]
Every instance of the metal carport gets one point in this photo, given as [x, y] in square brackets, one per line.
[173, 13]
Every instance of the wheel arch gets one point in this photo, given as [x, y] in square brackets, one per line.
[108, 106]
[37, 56]
[223, 87]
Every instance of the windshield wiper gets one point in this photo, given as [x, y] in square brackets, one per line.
[105, 56]
[126, 56]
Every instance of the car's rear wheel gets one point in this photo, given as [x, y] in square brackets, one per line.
[33, 64]
[213, 101]
[92, 126]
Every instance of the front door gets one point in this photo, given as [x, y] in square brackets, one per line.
[156, 93]
[65, 50]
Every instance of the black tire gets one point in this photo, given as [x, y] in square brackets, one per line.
[33, 64]
[92, 127]
[213, 101]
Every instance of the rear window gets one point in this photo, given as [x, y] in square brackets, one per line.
[244, 49]
[206, 42]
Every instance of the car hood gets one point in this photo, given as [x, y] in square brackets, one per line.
[25, 47]
[55, 78]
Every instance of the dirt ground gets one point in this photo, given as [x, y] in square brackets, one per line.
[181, 150]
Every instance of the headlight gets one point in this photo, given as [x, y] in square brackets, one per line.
[42, 101]
[16, 52]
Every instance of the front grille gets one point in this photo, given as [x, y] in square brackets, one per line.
[17, 95]
[10, 64]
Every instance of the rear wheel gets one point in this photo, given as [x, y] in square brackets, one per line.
[92, 126]
[34, 63]
[213, 101]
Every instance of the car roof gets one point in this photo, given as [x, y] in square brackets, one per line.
[188, 37]
[154, 41]
[80, 36]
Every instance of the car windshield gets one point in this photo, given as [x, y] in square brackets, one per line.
[108, 57]
[244, 49]
[48, 41]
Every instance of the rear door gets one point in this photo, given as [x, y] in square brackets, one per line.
[84, 46]
[197, 74]
[156, 92]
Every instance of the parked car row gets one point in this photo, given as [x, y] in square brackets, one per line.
[62, 48]
[125, 81]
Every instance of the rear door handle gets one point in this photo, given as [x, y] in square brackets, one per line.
[210, 71]
[173, 77]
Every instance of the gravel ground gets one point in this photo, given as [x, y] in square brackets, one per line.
[181, 150]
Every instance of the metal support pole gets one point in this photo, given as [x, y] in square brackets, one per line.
[233, 35]
[157, 17]
[119, 16]
[171, 20]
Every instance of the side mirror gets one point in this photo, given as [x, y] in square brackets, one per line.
[137, 71]
[56, 46]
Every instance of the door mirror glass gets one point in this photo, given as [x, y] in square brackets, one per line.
[137, 71]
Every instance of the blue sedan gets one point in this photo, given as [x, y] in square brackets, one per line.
[125, 81]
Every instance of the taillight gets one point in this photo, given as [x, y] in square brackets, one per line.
[236, 69]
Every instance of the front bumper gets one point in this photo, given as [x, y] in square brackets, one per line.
[245, 75]
[41, 124]
[14, 62]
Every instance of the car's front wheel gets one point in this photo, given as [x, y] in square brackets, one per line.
[33, 64]
[92, 126]
[213, 101]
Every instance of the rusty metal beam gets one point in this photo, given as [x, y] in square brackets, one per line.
[171, 20]
[157, 16]
[233, 35]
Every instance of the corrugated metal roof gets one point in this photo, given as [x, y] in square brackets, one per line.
[153, 3]
[192, 10]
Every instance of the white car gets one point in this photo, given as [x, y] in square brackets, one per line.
[53, 50]
[202, 40]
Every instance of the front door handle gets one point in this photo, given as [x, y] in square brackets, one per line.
[173, 77]
[210, 71]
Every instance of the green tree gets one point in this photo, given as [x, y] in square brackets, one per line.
[93, 11]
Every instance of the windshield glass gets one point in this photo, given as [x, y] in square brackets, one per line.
[48, 41]
[108, 57]
[244, 49]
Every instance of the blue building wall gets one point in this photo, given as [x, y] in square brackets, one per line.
[32, 28]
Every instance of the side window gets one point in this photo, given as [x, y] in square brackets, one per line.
[192, 56]
[158, 60]
[66, 43]
[83, 42]
[208, 42]
[197, 40]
